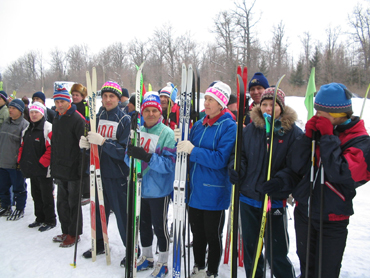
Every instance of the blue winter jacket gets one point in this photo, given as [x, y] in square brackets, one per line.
[210, 188]
[159, 173]
[112, 152]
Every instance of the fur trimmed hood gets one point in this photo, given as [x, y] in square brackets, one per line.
[287, 119]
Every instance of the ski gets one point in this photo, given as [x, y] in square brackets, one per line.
[267, 201]
[134, 185]
[95, 176]
[181, 170]
[234, 220]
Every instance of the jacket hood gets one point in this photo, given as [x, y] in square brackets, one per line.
[287, 119]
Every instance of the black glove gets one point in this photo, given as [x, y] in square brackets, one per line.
[138, 153]
[233, 176]
[272, 186]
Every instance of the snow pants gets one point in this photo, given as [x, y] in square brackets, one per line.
[67, 205]
[154, 213]
[333, 244]
[251, 222]
[42, 193]
[9, 177]
[207, 226]
[115, 199]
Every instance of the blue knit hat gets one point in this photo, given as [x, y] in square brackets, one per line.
[333, 98]
[61, 93]
[3, 95]
[40, 95]
[17, 103]
[258, 79]
[151, 100]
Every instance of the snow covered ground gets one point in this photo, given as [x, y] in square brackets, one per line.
[29, 253]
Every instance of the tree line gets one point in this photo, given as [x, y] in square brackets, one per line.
[343, 58]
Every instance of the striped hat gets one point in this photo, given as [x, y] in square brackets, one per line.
[39, 107]
[112, 87]
[3, 95]
[280, 97]
[61, 93]
[333, 98]
[17, 103]
[151, 101]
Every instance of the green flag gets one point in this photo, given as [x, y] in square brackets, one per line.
[311, 89]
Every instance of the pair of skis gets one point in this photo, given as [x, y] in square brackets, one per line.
[134, 185]
[267, 201]
[95, 177]
[181, 170]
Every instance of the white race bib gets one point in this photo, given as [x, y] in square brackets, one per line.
[148, 141]
[108, 129]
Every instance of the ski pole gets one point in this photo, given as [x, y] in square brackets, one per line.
[79, 206]
[363, 104]
[313, 143]
[321, 219]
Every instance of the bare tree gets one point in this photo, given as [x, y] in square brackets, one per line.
[306, 42]
[279, 51]
[58, 63]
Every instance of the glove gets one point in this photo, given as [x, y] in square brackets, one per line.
[177, 134]
[272, 186]
[233, 176]
[138, 153]
[84, 144]
[325, 126]
[95, 138]
[185, 146]
[311, 126]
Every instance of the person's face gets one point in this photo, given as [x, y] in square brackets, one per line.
[334, 121]
[62, 105]
[2, 101]
[211, 106]
[35, 116]
[151, 116]
[266, 107]
[256, 92]
[14, 113]
[131, 107]
[233, 107]
[37, 99]
[110, 101]
[164, 102]
[77, 97]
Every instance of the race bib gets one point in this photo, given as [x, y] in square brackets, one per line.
[148, 141]
[108, 129]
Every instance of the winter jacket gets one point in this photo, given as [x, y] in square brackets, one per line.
[345, 158]
[4, 114]
[254, 160]
[173, 119]
[11, 134]
[35, 151]
[159, 173]
[66, 155]
[50, 115]
[114, 126]
[83, 109]
[210, 188]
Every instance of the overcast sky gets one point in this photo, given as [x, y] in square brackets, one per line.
[43, 25]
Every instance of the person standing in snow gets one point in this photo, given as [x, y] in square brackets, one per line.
[210, 144]
[34, 160]
[4, 112]
[113, 129]
[79, 93]
[158, 156]
[11, 133]
[253, 186]
[342, 159]
[66, 163]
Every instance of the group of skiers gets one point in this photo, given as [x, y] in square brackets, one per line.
[43, 151]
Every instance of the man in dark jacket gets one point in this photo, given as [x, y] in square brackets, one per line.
[68, 127]
[10, 140]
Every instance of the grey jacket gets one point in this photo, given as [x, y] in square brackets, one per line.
[11, 134]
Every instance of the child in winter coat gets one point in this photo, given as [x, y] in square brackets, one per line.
[342, 162]
[158, 155]
[212, 140]
[253, 175]
[34, 160]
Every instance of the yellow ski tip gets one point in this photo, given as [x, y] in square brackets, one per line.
[74, 265]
